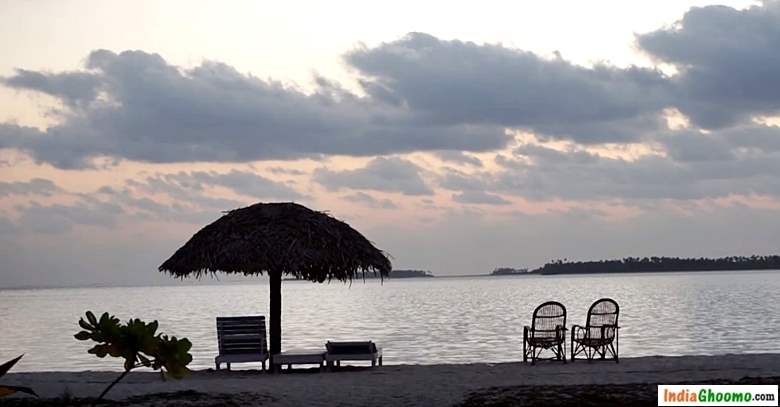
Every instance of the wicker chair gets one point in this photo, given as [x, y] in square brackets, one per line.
[599, 336]
[547, 331]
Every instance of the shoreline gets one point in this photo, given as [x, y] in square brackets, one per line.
[403, 384]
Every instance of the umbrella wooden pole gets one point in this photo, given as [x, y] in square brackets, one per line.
[276, 314]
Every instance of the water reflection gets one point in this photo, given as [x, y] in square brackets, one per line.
[443, 320]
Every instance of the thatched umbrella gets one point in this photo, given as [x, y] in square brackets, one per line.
[277, 239]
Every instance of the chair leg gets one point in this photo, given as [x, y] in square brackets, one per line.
[571, 347]
[525, 354]
[562, 349]
[614, 352]
[228, 365]
[380, 361]
[263, 366]
[525, 344]
[216, 363]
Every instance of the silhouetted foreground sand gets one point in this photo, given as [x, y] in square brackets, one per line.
[632, 382]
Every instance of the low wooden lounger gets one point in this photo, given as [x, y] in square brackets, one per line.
[355, 350]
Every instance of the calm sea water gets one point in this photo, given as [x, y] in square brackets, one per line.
[423, 321]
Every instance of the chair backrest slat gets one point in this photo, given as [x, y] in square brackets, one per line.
[244, 334]
[548, 316]
[603, 312]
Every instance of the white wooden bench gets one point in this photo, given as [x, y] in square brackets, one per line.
[241, 339]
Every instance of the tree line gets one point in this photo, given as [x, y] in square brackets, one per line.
[637, 264]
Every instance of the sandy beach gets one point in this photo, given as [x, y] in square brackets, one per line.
[404, 385]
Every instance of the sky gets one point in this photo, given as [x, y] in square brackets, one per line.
[458, 137]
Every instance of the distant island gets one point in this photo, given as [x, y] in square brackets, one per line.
[403, 274]
[636, 265]
[508, 271]
[410, 273]
[393, 274]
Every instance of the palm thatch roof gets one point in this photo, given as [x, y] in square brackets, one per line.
[278, 237]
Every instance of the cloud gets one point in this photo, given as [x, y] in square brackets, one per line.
[479, 197]
[460, 181]
[447, 97]
[368, 200]
[153, 111]
[190, 207]
[450, 98]
[687, 146]
[182, 189]
[35, 186]
[459, 157]
[240, 182]
[728, 62]
[286, 171]
[192, 201]
[106, 208]
[473, 187]
[62, 218]
[380, 174]
[421, 93]
[457, 82]
[755, 137]
[184, 197]
[687, 173]
[74, 88]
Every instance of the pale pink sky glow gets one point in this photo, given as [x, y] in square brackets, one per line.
[457, 138]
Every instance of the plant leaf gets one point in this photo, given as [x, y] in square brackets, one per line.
[83, 336]
[84, 325]
[91, 318]
[144, 360]
[5, 367]
[99, 350]
[178, 372]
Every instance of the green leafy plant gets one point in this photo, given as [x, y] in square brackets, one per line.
[8, 390]
[138, 343]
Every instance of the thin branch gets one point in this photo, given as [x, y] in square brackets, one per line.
[100, 397]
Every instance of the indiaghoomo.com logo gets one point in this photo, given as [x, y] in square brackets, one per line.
[717, 395]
